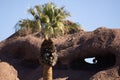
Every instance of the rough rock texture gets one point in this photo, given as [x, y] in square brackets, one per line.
[106, 74]
[7, 72]
[103, 44]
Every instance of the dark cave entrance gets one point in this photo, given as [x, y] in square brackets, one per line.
[98, 62]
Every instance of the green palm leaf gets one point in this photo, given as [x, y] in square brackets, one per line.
[48, 17]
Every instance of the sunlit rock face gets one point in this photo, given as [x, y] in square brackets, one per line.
[75, 51]
[7, 72]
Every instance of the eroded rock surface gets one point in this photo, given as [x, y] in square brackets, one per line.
[7, 72]
[103, 44]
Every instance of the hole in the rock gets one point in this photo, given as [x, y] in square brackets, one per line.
[91, 60]
[94, 63]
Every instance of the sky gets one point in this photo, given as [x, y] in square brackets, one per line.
[91, 14]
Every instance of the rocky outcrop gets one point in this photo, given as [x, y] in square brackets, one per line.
[103, 44]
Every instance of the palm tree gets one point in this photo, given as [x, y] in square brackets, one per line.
[49, 20]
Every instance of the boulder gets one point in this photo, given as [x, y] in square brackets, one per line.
[7, 72]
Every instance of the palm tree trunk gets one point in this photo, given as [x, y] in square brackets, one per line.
[47, 72]
[48, 58]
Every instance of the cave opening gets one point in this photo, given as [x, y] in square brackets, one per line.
[94, 63]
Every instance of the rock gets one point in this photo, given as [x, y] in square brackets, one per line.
[110, 74]
[103, 44]
[7, 72]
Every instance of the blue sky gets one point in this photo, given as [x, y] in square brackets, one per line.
[91, 14]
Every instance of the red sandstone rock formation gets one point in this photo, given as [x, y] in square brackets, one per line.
[7, 72]
[103, 44]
